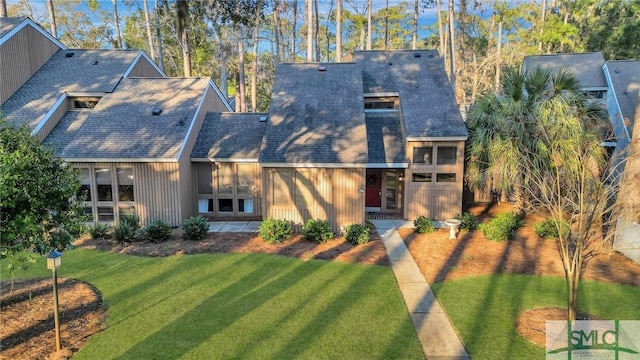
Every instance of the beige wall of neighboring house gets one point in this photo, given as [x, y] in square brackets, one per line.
[299, 194]
[434, 180]
[21, 56]
[143, 68]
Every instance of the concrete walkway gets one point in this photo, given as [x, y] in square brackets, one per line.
[435, 331]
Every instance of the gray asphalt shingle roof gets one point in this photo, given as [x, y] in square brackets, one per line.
[625, 79]
[235, 136]
[384, 137]
[122, 125]
[427, 102]
[316, 117]
[87, 71]
[586, 66]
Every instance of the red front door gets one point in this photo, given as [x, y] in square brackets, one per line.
[374, 188]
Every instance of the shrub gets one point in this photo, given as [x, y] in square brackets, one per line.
[424, 225]
[502, 227]
[275, 230]
[98, 230]
[357, 234]
[468, 221]
[131, 219]
[125, 232]
[318, 231]
[158, 231]
[195, 228]
[548, 229]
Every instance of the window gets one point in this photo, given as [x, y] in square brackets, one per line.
[85, 184]
[422, 177]
[205, 205]
[447, 155]
[596, 94]
[245, 179]
[422, 155]
[84, 102]
[105, 213]
[225, 178]
[204, 179]
[103, 182]
[125, 184]
[281, 187]
[127, 211]
[88, 212]
[225, 205]
[446, 177]
[380, 103]
[245, 206]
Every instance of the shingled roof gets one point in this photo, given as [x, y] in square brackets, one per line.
[384, 139]
[429, 109]
[316, 117]
[230, 137]
[122, 125]
[9, 23]
[625, 82]
[586, 66]
[86, 71]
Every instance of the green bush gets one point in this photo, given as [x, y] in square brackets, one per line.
[548, 229]
[98, 230]
[357, 234]
[131, 219]
[195, 228]
[125, 232]
[275, 230]
[502, 227]
[468, 221]
[158, 231]
[318, 231]
[424, 225]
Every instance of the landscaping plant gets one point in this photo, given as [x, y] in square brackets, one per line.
[131, 219]
[275, 231]
[424, 225]
[158, 231]
[98, 230]
[357, 234]
[318, 231]
[125, 232]
[195, 228]
[548, 229]
[468, 221]
[502, 227]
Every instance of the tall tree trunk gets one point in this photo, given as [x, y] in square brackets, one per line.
[316, 29]
[328, 33]
[52, 18]
[116, 23]
[542, 15]
[254, 76]
[160, 58]
[452, 43]
[339, 31]
[147, 23]
[440, 27]
[369, 23]
[294, 34]
[241, 86]
[309, 10]
[224, 78]
[182, 20]
[276, 29]
[386, 25]
[3, 8]
[416, 8]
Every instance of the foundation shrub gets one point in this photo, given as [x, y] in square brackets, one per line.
[502, 227]
[357, 234]
[195, 228]
[158, 231]
[275, 231]
[424, 225]
[317, 231]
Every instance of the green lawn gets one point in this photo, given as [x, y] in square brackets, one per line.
[243, 306]
[486, 318]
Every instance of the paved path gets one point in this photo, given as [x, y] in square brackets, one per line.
[435, 332]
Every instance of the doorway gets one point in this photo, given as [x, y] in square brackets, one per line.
[383, 192]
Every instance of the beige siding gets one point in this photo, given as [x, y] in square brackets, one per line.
[436, 200]
[20, 57]
[144, 69]
[318, 193]
[53, 120]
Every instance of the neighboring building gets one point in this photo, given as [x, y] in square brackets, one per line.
[382, 135]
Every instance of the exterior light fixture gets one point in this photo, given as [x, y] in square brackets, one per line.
[54, 260]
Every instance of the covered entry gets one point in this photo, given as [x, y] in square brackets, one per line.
[384, 189]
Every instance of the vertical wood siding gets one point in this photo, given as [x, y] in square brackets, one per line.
[144, 69]
[20, 57]
[318, 193]
[53, 120]
[436, 200]
[157, 192]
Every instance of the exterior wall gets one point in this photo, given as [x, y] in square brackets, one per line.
[20, 57]
[333, 194]
[54, 119]
[144, 69]
[436, 200]
[155, 188]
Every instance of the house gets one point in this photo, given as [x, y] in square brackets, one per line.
[381, 135]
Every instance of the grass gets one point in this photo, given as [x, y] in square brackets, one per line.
[249, 306]
[485, 320]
